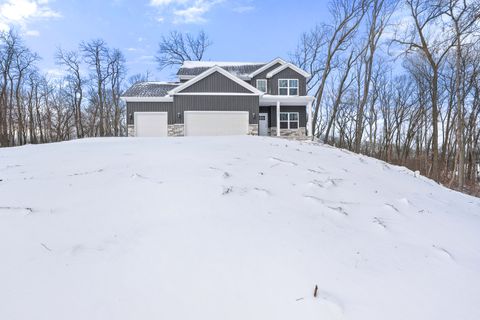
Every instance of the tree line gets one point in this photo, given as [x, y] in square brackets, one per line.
[400, 81]
[84, 102]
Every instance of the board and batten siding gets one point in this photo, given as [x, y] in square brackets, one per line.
[263, 75]
[217, 103]
[288, 74]
[216, 82]
[133, 107]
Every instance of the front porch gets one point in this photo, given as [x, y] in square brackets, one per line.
[292, 114]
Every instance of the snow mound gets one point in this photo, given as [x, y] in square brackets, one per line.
[229, 228]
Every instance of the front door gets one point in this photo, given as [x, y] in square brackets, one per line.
[263, 124]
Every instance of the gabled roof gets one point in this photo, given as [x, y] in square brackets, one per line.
[291, 66]
[266, 66]
[239, 69]
[209, 72]
[150, 89]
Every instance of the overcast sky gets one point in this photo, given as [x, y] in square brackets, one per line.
[241, 30]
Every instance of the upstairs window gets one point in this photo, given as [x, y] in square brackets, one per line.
[289, 120]
[288, 87]
[262, 85]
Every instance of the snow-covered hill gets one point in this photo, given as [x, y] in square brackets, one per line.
[229, 228]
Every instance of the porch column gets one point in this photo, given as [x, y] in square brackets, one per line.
[309, 120]
[278, 118]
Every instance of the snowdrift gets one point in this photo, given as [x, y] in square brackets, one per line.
[237, 228]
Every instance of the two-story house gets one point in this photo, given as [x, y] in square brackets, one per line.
[222, 98]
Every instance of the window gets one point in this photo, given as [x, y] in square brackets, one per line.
[289, 120]
[262, 85]
[288, 87]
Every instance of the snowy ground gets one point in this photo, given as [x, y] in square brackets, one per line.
[229, 229]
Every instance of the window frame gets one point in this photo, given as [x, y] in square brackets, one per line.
[288, 121]
[266, 85]
[288, 87]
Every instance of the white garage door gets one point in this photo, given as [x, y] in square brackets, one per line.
[151, 124]
[216, 123]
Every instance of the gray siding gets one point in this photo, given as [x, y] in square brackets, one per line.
[272, 114]
[263, 75]
[217, 103]
[288, 74]
[133, 107]
[216, 82]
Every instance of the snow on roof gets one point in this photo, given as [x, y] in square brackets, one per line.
[150, 89]
[208, 64]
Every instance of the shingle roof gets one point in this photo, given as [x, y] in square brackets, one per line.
[150, 89]
[194, 68]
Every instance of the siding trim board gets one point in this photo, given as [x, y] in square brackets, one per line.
[288, 66]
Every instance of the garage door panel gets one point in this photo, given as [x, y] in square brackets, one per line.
[151, 124]
[216, 123]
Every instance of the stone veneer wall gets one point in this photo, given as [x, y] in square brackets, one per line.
[253, 129]
[300, 132]
[130, 130]
[176, 130]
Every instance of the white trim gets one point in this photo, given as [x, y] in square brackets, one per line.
[267, 66]
[309, 118]
[185, 77]
[266, 84]
[291, 66]
[288, 87]
[147, 99]
[216, 111]
[211, 71]
[215, 94]
[278, 118]
[288, 120]
[268, 100]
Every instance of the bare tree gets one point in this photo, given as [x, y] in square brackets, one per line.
[72, 61]
[463, 16]
[96, 55]
[425, 14]
[378, 15]
[178, 47]
[347, 17]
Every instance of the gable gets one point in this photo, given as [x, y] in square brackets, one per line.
[288, 73]
[263, 74]
[216, 83]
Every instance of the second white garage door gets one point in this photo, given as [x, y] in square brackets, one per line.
[151, 124]
[216, 123]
